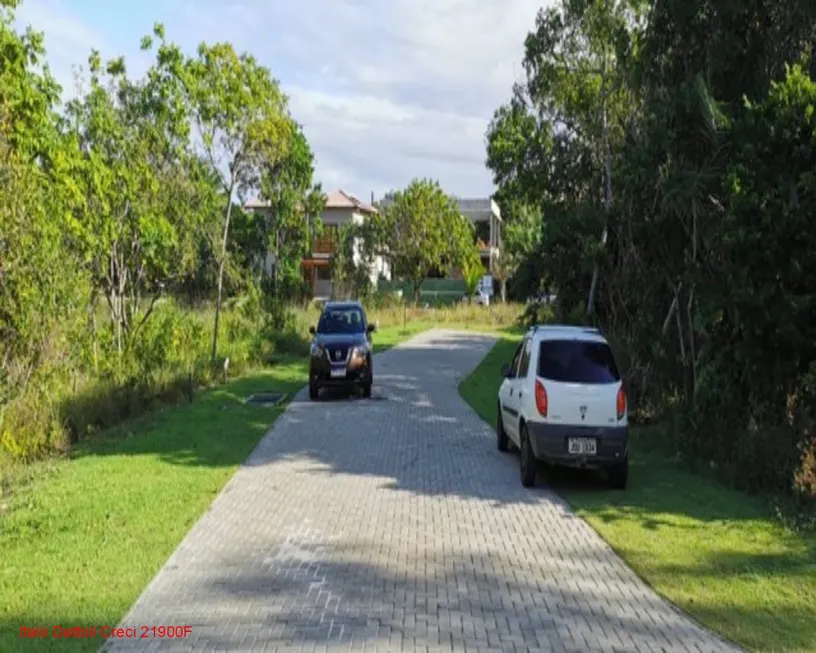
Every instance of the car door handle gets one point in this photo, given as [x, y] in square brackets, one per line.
[511, 392]
[520, 395]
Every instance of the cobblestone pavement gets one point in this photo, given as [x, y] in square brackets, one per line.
[394, 524]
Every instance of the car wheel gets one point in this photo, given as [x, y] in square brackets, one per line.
[501, 435]
[619, 475]
[314, 391]
[528, 462]
[367, 390]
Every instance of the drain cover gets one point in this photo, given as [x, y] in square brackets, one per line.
[266, 398]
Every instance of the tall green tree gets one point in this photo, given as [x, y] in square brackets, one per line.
[353, 260]
[553, 143]
[42, 288]
[296, 203]
[242, 126]
[422, 228]
[132, 175]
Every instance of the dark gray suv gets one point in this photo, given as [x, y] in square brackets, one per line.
[341, 349]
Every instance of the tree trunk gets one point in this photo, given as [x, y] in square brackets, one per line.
[119, 325]
[221, 274]
[94, 332]
[607, 186]
[276, 279]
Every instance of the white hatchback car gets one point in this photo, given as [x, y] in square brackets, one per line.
[562, 402]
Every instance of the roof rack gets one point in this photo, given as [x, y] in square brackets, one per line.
[563, 327]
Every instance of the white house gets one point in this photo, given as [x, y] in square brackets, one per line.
[341, 208]
[484, 211]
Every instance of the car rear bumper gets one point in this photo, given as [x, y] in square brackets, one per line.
[549, 442]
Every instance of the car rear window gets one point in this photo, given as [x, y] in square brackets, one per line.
[577, 361]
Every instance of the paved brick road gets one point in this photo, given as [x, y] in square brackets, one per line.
[394, 524]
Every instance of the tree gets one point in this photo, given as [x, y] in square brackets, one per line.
[521, 238]
[289, 225]
[133, 176]
[553, 142]
[42, 287]
[422, 227]
[28, 97]
[242, 126]
[353, 260]
[473, 271]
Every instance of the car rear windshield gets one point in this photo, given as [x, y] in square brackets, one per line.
[577, 361]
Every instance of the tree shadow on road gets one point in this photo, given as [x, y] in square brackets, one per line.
[414, 433]
[309, 590]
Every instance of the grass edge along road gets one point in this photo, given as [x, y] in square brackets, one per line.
[80, 537]
[717, 554]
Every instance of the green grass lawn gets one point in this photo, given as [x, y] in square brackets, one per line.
[718, 554]
[80, 537]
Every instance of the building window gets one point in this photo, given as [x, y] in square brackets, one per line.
[324, 273]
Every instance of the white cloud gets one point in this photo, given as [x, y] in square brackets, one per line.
[69, 41]
[386, 91]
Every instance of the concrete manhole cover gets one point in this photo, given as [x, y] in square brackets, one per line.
[266, 398]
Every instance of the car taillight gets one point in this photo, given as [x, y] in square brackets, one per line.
[541, 398]
[621, 403]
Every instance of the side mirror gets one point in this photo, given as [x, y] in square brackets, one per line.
[371, 328]
[505, 371]
[312, 330]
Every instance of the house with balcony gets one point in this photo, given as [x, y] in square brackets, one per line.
[341, 208]
[486, 219]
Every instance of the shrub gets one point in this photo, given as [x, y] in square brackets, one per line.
[537, 313]
[62, 404]
[30, 426]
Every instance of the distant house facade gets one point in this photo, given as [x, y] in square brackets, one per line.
[486, 219]
[341, 208]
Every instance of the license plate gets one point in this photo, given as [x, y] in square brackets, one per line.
[338, 373]
[586, 446]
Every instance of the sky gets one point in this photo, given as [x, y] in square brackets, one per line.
[386, 90]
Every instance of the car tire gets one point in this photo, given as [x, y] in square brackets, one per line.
[618, 475]
[527, 461]
[502, 441]
[314, 391]
[367, 390]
